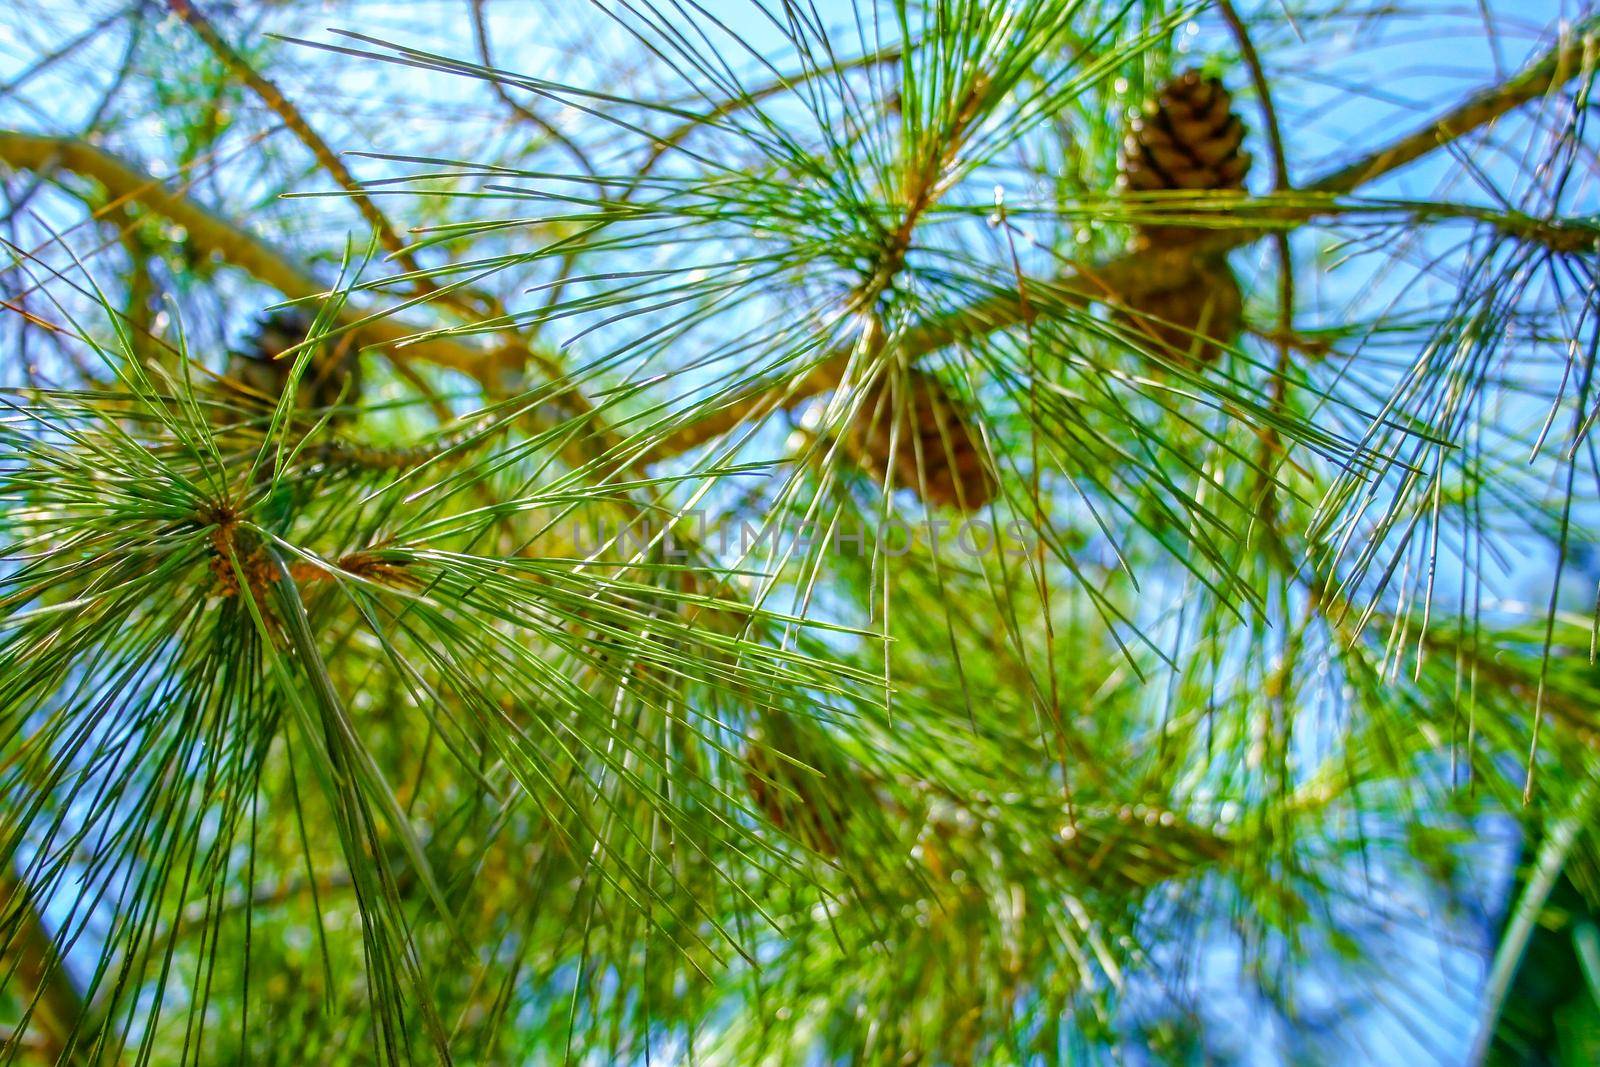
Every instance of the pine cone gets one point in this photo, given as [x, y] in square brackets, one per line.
[263, 370]
[1187, 139]
[952, 472]
[1193, 321]
[793, 799]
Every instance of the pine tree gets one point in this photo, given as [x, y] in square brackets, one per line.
[785, 531]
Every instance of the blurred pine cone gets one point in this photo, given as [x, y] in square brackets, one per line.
[933, 424]
[262, 369]
[1187, 139]
[794, 799]
[1192, 321]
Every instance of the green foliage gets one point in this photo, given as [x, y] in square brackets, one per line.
[559, 689]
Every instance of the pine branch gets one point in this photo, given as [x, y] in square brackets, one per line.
[212, 234]
[1557, 66]
[1128, 277]
[592, 749]
[1549, 862]
[281, 106]
[28, 955]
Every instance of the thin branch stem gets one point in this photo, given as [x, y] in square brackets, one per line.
[1557, 66]
[480, 32]
[281, 106]
[1271, 440]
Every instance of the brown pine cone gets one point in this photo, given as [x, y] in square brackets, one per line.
[793, 799]
[1188, 138]
[1191, 322]
[263, 370]
[953, 472]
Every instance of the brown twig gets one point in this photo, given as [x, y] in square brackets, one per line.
[1271, 440]
[388, 236]
[1551, 70]
[29, 957]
